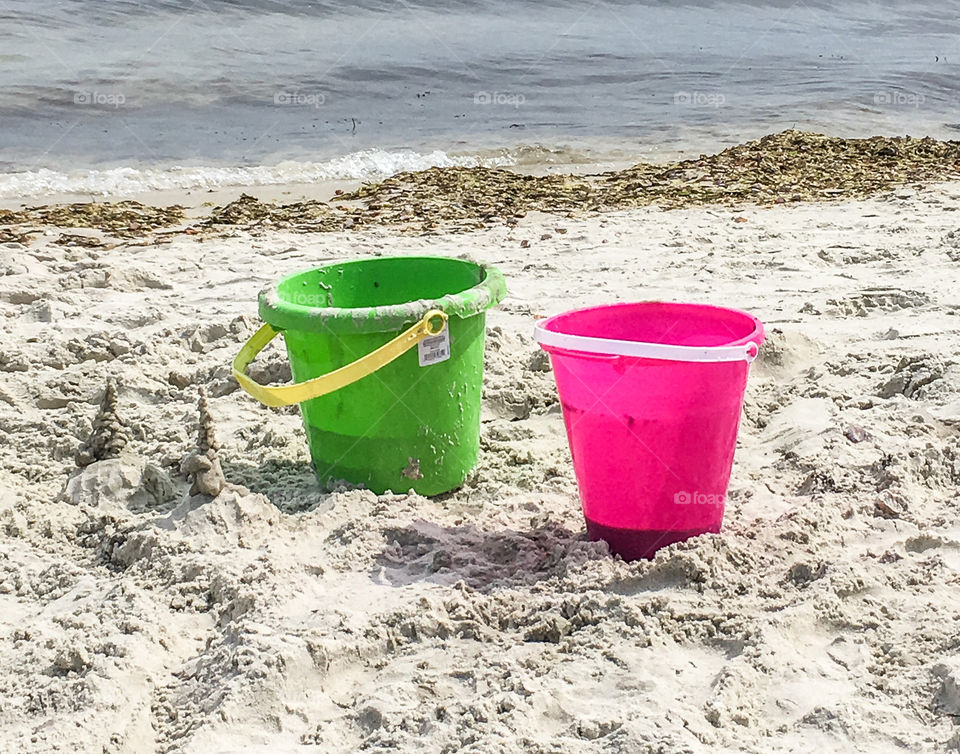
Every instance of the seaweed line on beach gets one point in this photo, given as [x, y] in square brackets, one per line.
[125, 219]
[787, 167]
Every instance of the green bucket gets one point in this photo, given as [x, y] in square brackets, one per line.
[393, 349]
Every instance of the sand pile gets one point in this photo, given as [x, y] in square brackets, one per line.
[139, 611]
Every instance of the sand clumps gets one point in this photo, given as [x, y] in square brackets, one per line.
[107, 473]
[202, 466]
[109, 436]
[109, 476]
[148, 605]
[519, 379]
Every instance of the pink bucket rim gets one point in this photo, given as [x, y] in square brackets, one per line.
[744, 348]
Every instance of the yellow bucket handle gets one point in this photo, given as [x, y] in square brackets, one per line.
[287, 395]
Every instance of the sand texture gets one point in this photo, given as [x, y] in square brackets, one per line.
[276, 617]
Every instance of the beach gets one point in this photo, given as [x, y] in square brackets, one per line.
[281, 617]
[177, 578]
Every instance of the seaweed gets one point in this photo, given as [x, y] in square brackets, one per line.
[303, 216]
[126, 219]
[12, 217]
[791, 166]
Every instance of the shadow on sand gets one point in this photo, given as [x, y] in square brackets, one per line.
[292, 486]
[424, 551]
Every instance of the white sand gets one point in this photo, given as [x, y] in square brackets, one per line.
[133, 619]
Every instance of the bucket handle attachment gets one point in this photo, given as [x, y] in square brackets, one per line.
[287, 395]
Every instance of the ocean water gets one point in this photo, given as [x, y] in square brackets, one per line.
[100, 96]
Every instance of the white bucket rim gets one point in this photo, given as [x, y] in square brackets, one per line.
[639, 349]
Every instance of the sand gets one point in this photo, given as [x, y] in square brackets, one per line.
[281, 618]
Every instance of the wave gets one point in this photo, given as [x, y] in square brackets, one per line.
[368, 164]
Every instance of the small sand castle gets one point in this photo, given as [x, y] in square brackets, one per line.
[109, 436]
[202, 466]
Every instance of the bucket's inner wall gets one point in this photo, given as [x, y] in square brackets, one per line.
[380, 282]
[658, 322]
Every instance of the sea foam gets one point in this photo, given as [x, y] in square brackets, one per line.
[368, 164]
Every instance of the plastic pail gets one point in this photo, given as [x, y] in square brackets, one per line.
[651, 395]
[388, 357]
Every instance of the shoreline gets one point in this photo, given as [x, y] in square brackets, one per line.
[372, 165]
[783, 168]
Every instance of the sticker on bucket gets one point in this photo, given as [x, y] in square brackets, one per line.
[434, 349]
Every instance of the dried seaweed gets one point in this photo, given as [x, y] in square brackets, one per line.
[304, 216]
[86, 242]
[127, 219]
[791, 166]
[441, 196]
[15, 235]
[12, 217]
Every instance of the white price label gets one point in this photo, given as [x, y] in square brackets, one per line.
[434, 349]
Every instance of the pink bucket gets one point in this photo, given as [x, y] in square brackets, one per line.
[651, 395]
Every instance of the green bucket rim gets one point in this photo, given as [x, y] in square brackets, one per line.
[285, 315]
